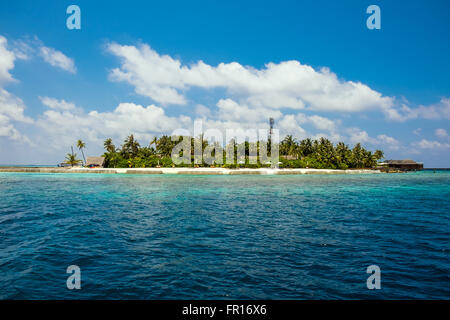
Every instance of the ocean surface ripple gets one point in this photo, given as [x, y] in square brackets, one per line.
[224, 237]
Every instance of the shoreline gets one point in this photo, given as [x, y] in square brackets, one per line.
[192, 171]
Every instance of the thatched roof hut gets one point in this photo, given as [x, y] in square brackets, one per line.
[97, 162]
[406, 165]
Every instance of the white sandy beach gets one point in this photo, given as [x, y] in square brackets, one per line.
[195, 171]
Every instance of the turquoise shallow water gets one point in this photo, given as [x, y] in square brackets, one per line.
[224, 237]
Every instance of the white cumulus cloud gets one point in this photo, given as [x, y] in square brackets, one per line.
[11, 107]
[57, 104]
[57, 59]
[427, 144]
[437, 111]
[61, 123]
[7, 58]
[441, 133]
[288, 84]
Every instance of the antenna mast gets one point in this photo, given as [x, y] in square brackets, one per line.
[271, 122]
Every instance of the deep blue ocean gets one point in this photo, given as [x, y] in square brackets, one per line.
[225, 237]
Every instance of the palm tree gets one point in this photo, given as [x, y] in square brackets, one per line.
[109, 146]
[71, 159]
[358, 155]
[343, 153]
[130, 147]
[306, 147]
[288, 146]
[368, 159]
[378, 154]
[325, 152]
[164, 146]
[81, 145]
[154, 141]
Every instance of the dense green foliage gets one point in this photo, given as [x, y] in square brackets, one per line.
[307, 153]
[322, 154]
[81, 145]
[71, 159]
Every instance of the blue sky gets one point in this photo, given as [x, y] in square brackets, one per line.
[89, 83]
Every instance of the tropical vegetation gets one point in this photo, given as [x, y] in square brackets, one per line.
[81, 145]
[72, 160]
[307, 153]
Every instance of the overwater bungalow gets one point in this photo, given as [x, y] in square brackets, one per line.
[402, 165]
